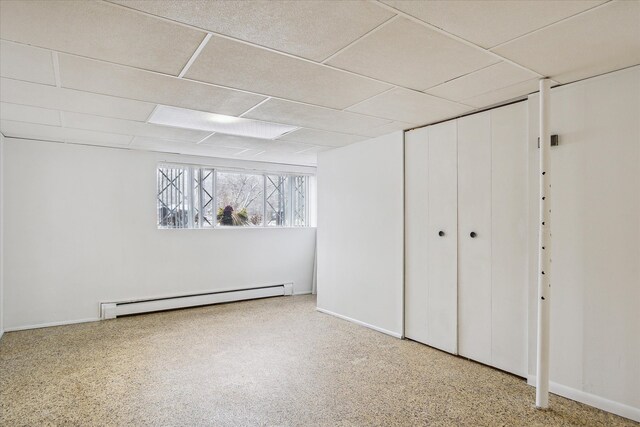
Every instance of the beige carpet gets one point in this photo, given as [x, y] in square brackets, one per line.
[272, 362]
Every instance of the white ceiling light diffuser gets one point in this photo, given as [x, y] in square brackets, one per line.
[192, 119]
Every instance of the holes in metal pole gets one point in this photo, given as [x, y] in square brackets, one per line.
[543, 197]
[543, 173]
[543, 272]
[542, 298]
[542, 222]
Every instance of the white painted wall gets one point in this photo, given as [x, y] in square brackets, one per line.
[595, 222]
[81, 229]
[360, 232]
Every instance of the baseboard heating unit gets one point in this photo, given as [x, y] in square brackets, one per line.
[111, 310]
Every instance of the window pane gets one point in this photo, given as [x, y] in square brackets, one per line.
[173, 197]
[276, 201]
[299, 201]
[239, 199]
[203, 198]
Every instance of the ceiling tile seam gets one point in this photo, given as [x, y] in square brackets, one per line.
[561, 21]
[62, 112]
[371, 98]
[28, 81]
[347, 109]
[195, 55]
[365, 35]
[89, 58]
[205, 138]
[454, 37]
[553, 84]
[114, 132]
[255, 106]
[461, 76]
[462, 101]
[79, 91]
[224, 36]
[56, 68]
[300, 58]
[150, 114]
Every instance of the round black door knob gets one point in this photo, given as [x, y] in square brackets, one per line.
[473, 234]
[440, 233]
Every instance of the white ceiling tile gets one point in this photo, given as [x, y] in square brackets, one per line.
[315, 149]
[321, 137]
[169, 146]
[128, 127]
[309, 159]
[126, 82]
[55, 133]
[259, 70]
[240, 142]
[100, 30]
[513, 92]
[490, 22]
[14, 129]
[26, 113]
[82, 136]
[310, 29]
[388, 128]
[288, 146]
[488, 79]
[257, 145]
[409, 106]
[408, 54]
[275, 110]
[604, 39]
[18, 61]
[248, 153]
[18, 92]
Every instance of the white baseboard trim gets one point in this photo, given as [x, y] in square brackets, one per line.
[617, 408]
[358, 322]
[1, 333]
[50, 324]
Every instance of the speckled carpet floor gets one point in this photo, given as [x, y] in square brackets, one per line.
[271, 362]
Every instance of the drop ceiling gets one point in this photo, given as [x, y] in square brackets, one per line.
[335, 72]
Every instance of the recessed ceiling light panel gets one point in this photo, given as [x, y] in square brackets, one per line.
[192, 119]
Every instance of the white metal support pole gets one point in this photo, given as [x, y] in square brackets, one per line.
[544, 252]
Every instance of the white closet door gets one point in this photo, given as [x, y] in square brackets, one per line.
[416, 234]
[442, 308]
[474, 237]
[509, 250]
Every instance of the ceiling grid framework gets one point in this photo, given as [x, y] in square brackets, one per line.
[341, 72]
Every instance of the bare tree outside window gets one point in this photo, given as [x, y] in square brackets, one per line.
[239, 199]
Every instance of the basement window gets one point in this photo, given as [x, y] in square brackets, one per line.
[240, 199]
[198, 197]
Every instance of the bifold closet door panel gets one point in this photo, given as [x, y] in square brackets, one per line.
[509, 251]
[416, 236]
[442, 299]
[474, 237]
